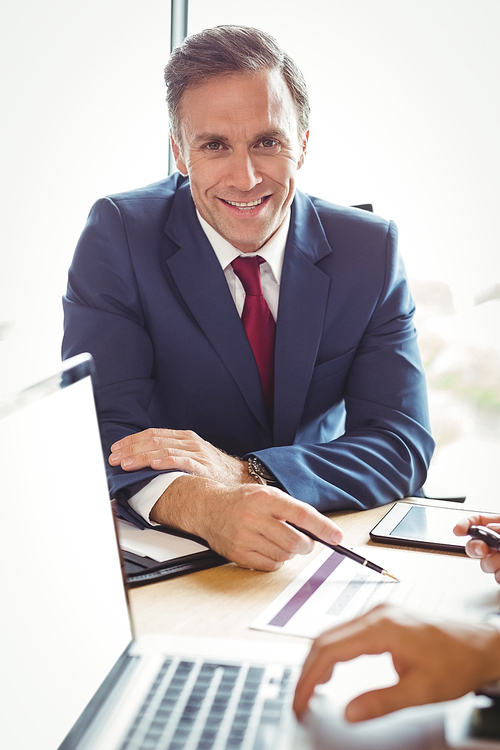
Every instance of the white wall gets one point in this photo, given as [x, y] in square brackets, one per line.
[83, 114]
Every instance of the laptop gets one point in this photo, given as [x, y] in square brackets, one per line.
[73, 676]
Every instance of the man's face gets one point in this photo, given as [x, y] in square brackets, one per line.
[241, 150]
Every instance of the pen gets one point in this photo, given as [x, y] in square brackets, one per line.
[349, 552]
[490, 537]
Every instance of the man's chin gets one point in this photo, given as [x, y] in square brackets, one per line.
[244, 239]
[247, 244]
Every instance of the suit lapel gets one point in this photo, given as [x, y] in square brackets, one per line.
[303, 296]
[203, 287]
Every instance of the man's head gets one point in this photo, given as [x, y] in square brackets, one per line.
[226, 50]
[239, 118]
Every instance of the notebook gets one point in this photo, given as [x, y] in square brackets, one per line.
[73, 676]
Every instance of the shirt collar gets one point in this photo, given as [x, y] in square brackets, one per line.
[273, 251]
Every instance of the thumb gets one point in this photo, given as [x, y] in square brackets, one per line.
[377, 703]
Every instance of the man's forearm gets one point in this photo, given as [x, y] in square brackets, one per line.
[180, 504]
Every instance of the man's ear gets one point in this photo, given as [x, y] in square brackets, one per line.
[303, 152]
[179, 161]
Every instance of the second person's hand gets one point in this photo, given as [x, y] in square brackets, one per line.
[489, 558]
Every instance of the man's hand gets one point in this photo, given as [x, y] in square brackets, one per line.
[490, 559]
[219, 501]
[245, 523]
[435, 662]
[181, 450]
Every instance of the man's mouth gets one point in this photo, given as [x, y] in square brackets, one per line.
[248, 205]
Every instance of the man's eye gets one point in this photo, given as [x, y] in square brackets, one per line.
[214, 146]
[270, 144]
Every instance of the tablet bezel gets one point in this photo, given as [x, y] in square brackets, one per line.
[383, 531]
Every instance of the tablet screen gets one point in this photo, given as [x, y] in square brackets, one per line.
[430, 524]
[420, 525]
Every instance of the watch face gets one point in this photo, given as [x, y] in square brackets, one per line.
[257, 468]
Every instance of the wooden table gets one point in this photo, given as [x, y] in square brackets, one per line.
[222, 602]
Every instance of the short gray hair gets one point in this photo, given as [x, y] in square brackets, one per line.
[223, 50]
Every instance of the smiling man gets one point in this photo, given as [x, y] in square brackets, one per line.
[242, 169]
[255, 350]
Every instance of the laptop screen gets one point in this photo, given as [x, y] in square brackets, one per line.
[64, 616]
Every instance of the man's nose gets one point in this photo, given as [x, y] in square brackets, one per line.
[243, 172]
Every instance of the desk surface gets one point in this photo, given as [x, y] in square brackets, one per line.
[222, 602]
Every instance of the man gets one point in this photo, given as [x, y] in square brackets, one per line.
[435, 660]
[247, 411]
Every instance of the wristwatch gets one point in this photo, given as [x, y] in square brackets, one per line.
[258, 471]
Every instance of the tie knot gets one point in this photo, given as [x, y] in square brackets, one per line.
[248, 272]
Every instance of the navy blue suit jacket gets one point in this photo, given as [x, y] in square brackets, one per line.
[148, 299]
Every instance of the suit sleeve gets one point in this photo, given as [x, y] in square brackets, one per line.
[386, 448]
[103, 315]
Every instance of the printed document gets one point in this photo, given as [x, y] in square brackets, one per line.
[334, 589]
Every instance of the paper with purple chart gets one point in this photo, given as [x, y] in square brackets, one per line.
[334, 589]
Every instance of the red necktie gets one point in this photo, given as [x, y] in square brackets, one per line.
[258, 322]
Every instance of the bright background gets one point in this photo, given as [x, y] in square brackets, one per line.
[406, 115]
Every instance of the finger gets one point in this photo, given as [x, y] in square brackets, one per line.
[305, 688]
[149, 444]
[256, 561]
[491, 563]
[287, 538]
[462, 527]
[263, 557]
[157, 459]
[159, 454]
[316, 670]
[479, 519]
[275, 509]
[376, 703]
[153, 435]
[342, 643]
[308, 518]
[129, 440]
[254, 558]
[267, 540]
[261, 545]
[174, 458]
[129, 459]
[477, 549]
[132, 446]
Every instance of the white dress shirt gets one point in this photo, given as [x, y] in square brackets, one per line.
[270, 272]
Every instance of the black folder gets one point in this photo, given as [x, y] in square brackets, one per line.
[140, 570]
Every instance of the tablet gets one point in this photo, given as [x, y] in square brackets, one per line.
[421, 526]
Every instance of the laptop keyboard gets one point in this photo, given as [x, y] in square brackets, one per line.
[196, 705]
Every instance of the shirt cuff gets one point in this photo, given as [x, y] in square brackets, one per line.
[144, 500]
